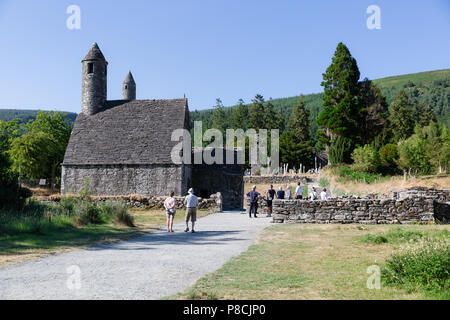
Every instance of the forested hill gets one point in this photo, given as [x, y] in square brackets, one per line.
[26, 115]
[432, 88]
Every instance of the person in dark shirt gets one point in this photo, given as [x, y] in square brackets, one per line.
[253, 195]
[280, 193]
[270, 196]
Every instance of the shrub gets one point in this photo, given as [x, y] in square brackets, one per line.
[389, 155]
[118, 212]
[86, 190]
[68, 204]
[348, 174]
[366, 159]
[376, 239]
[87, 212]
[425, 265]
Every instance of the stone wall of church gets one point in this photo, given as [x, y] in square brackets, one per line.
[116, 180]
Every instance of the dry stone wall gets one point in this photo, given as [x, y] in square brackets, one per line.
[150, 202]
[417, 207]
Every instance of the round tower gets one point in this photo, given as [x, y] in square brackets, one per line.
[93, 88]
[129, 87]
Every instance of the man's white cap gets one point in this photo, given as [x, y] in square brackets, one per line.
[191, 190]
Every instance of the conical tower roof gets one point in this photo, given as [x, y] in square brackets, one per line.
[129, 78]
[94, 53]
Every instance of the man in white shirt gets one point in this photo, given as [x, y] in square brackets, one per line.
[191, 202]
[324, 194]
[298, 191]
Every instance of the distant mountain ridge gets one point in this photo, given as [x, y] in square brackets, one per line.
[26, 115]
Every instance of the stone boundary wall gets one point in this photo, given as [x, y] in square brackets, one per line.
[366, 211]
[407, 206]
[275, 179]
[148, 202]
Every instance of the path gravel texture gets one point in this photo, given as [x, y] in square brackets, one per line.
[148, 267]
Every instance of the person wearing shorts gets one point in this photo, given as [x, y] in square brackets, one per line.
[170, 205]
[270, 196]
[191, 202]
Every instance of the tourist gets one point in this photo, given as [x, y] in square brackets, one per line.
[280, 193]
[191, 202]
[288, 192]
[314, 195]
[270, 196]
[253, 195]
[170, 205]
[324, 194]
[299, 192]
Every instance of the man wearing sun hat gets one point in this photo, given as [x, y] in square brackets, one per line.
[191, 202]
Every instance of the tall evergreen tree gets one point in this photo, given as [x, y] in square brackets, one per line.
[299, 121]
[218, 116]
[256, 113]
[238, 118]
[375, 109]
[402, 117]
[273, 119]
[424, 115]
[343, 113]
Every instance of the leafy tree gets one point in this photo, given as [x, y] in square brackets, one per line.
[389, 156]
[366, 159]
[401, 118]
[256, 113]
[41, 150]
[342, 112]
[414, 156]
[299, 121]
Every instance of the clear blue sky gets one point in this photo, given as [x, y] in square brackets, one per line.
[209, 48]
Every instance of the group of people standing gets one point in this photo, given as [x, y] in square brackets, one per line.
[271, 194]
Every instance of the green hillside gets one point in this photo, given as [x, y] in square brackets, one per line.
[432, 88]
[26, 115]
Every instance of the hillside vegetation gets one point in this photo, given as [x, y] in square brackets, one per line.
[27, 115]
[432, 88]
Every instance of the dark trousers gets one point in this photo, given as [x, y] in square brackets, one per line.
[299, 197]
[253, 208]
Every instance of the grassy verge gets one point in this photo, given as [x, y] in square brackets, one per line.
[310, 262]
[41, 229]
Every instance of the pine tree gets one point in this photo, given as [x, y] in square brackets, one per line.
[238, 118]
[299, 121]
[273, 119]
[401, 118]
[218, 116]
[256, 113]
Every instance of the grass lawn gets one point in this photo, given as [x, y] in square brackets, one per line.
[62, 234]
[299, 261]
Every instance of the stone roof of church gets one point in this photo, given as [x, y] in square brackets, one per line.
[127, 132]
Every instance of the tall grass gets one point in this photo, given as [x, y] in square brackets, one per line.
[41, 218]
[424, 265]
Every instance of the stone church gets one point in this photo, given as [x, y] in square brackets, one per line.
[123, 147]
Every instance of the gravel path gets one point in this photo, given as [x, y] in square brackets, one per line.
[149, 267]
